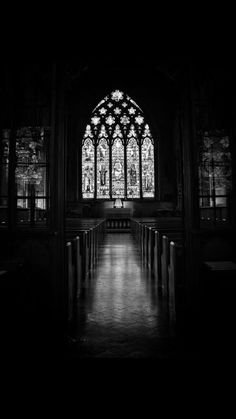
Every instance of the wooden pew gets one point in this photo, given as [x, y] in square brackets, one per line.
[217, 284]
[14, 284]
[154, 244]
[176, 237]
[90, 232]
[145, 237]
[155, 248]
[74, 274]
[70, 284]
[176, 280]
[83, 250]
[150, 232]
[82, 240]
[77, 262]
[137, 225]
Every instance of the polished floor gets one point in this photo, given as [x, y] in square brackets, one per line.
[120, 313]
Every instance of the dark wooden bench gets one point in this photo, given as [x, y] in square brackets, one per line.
[143, 228]
[91, 233]
[70, 283]
[217, 302]
[82, 240]
[167, 238]
[152, 245]
[161, 243]
[176, 297]
[154, 248]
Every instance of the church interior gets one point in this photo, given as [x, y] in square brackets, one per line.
[118, 208]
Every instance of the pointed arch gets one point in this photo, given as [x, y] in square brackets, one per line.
[103, 169]
[121, 151]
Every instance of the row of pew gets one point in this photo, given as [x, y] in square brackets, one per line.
[83, 237]
[161, 244]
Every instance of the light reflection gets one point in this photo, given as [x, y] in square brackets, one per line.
[122, 290]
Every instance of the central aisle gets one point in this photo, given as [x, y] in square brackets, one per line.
[120, 314]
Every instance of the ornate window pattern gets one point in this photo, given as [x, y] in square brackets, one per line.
[215, 175]
[31, 174]
[103, 175]
[4, 164]
[88, 158]
[118, 151]
[29, 177]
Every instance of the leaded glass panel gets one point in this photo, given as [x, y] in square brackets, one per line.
[148, 187]
[31, 174]
[31, 145]
[118, 179]
[215, 175]
[88, 169]
[4, 162]
[4, 170]
[26, 175]
[103, 172]
[30, 171]
[133, 184]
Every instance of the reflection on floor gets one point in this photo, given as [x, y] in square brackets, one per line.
[121, 314]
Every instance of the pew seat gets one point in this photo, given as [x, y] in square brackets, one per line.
[175, 280]
[3, 273]
[220, 273]
[221, 265]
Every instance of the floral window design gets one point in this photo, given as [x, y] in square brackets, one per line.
[118, 151]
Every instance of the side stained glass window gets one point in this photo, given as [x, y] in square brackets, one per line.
[31, 174]
[120, 148]
[24, 155]
[4, 165]
[215, 176]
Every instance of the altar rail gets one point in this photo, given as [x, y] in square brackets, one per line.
[118, 220]
[117, 225]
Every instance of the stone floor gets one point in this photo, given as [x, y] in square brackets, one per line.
[120, 312]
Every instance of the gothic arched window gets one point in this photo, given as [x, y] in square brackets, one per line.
[118, 151]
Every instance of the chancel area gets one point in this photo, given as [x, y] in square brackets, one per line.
[117, 208]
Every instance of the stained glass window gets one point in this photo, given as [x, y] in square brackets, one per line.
[31, 174]
[133, 175]
[121, 151]
[215, 175]
[103, 172]
[4, 164]
[148, 168]
[24, 151]
[88, 168]
[118, 174]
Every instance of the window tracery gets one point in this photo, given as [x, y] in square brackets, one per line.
[118, 151]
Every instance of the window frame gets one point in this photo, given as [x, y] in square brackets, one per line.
[13, 196]
[142, 132]
[214, 213]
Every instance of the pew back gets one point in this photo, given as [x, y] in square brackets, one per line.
[176, 283]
